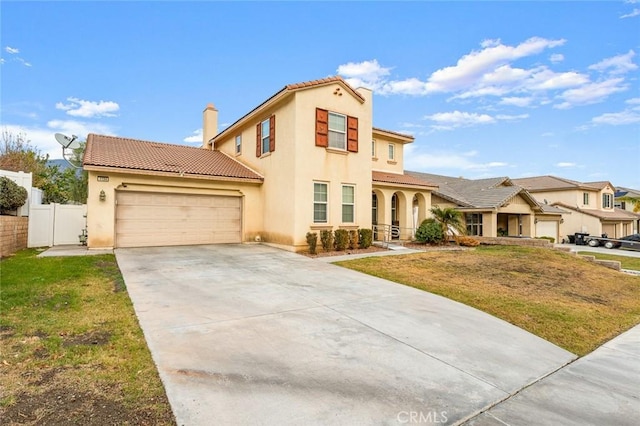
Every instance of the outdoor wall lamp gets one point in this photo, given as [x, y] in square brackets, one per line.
[535, 220]
[103, 195]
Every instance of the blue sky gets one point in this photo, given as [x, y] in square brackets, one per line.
[487, 88]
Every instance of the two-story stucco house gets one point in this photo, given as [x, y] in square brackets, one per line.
[591, 205]
[622, 202]
[306, 159]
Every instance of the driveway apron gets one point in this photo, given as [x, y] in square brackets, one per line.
[249, 334]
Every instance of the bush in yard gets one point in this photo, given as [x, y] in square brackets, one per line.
[365, 238]
[326, 239]
[550, 239]
[312, 241]
[430, 232]
[468, 241]
[353, 239]
[341, 239]
[12, 196]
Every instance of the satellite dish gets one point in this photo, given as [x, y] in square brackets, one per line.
[67, 142]
[68, 145]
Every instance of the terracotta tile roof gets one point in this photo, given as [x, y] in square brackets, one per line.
[400, 179]
[321, 82]
[133, 154]
[616, 214]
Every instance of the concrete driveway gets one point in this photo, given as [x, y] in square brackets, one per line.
[248, 334]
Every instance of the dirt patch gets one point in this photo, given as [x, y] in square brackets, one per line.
[111, 270]
[91, 338]
[64, 406]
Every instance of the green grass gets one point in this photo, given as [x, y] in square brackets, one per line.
[68, 323]
[626, 262]
[567, 300]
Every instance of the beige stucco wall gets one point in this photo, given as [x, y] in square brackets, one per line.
[572, 197]
[101, 214]
[382, 162]
[579, 222]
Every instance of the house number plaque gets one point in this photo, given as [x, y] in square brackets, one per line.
[103, 178]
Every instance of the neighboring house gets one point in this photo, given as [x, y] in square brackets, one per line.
[495, 207]
[306, 159]
[624, 204]
[591, 205]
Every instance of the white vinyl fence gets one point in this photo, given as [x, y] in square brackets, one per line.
[56, 224]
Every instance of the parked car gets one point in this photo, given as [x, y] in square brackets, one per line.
[631, 242]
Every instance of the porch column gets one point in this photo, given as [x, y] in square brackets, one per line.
[528, 226]
[489, 225]
[406, 221]
[514, 225]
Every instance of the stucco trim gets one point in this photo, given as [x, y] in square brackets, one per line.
[122, 170]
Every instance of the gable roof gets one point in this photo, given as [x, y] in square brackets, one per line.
[616, 214]
[487, 193]
[396, 136]
[286, 91]
[401, 179]
[137, 156]
[621, 191]
[554, 183]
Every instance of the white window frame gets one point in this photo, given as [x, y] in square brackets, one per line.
[331, 131]
[607, 201]
[239, 144]
[351, 204]
[392, 152]
[264, 139]
[317, 202]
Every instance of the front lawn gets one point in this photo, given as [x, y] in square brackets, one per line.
[569, 301]
[72, 351]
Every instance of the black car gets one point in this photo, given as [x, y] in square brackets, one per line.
[631, 242]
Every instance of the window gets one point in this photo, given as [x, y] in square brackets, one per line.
[348, 203]
[585, 198]
[266, 136]
[373, 149]
[337, 131]
[392, 152]
[319, 202]
[238, 144]
[607, 201]
[474, 224]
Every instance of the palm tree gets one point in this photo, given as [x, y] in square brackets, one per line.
[451, 220]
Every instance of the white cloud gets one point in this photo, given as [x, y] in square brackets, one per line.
[367, 74]
[453, 161]
[455, 119]
[566, 164]
[617, 118]
[89, 109]
[43, 138]
[1, 60]
[11, 50]
[633, 101]
[517, 101]
[590, 93]
[196, 137]
[556, 57]
[620, 64]
[635, 12]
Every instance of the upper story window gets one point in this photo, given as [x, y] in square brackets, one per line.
[337, 131]
[620, 204]
[266, 136]
[320, 197]
[373, 148]
[238, 144]
[585, 198]
[607, 201]
[392, 152]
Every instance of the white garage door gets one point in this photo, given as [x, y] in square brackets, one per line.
[145, 219]
[547, 228]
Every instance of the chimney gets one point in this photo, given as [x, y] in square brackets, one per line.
[209, 125]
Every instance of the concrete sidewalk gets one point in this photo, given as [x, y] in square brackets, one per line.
[73, 250]
[602, 388]
[248, 334]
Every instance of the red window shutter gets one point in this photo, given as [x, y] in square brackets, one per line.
[258, 141]
[352, 134]
[272, 133]
[322, 127]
